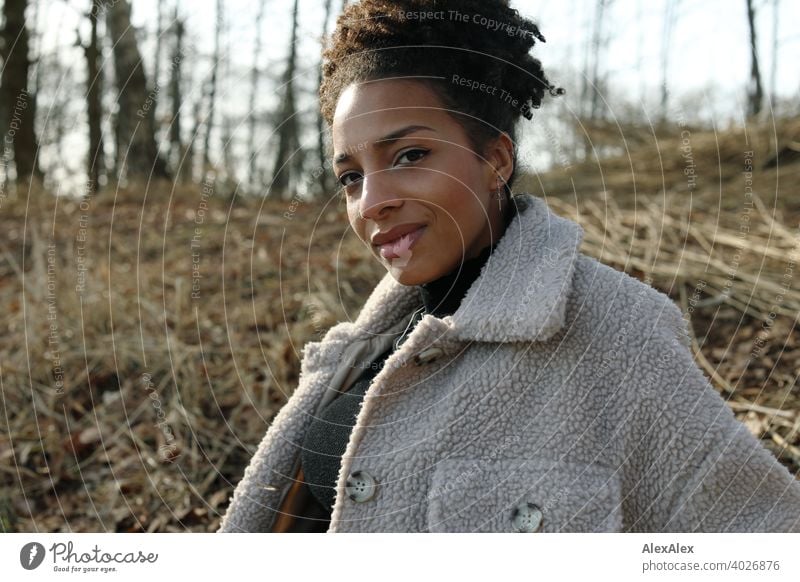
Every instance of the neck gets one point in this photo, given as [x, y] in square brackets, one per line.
[443, 296]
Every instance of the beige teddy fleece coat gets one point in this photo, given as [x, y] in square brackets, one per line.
[560, 384]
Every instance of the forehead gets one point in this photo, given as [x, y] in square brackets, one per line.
[367, 111]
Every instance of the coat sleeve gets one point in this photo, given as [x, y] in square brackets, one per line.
[692, 467]
[250, 506]
[255, 500]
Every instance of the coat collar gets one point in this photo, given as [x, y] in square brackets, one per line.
[520, 294]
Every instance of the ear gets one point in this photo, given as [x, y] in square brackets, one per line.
[500, 156]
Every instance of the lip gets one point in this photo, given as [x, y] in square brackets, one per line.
[387, 249]
[394, 233]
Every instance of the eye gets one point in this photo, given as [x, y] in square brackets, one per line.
[348, 179]
[416, 154]
[343, 179]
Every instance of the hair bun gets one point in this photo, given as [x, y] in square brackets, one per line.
[483, 40]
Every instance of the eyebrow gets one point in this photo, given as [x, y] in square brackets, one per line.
[386, 140]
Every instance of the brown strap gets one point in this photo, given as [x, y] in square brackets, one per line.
[288, 509]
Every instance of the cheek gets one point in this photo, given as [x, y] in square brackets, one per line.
[465, 222]
[355, 223]
[459, 207]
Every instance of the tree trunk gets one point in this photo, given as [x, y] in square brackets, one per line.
[324, 175]
[180, 163]
[193, 138]
[597, 43]
[288, 132]
[228, 158]
[157, 55]
[136, 150]
[666, 51]
[773, 77]
[94, 109]
[251, 111]
[212, 94]
[756, 93]
[155, 78]
[19, 105]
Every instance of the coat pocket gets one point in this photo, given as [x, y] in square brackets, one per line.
[523, 495]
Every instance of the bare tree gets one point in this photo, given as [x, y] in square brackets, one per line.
[228, 158]
[194, 135]
[597, 44]
[18, 102]
[94, 109]
[212, 91]
[136, 151]
[773, 75]
[288, 156]
[254, 78]
[155, 80]
[756, 92]
[180, 163]
[670, 17]
[230, 182]
[159, 35]
[591, 89]
[323, 174]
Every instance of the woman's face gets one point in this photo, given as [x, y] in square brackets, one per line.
[404, 161]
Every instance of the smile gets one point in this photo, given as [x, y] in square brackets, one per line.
[401, 245]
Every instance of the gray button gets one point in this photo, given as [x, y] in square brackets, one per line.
[428, 355]
[360, 486]
[527, 517]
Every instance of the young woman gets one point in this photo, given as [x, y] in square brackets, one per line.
[496, 378]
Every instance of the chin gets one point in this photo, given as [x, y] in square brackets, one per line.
[402, 276]
[407, 275]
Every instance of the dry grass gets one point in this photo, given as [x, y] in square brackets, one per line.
[89, 455]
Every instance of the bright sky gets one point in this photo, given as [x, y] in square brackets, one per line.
[709, 41]
[709, 64]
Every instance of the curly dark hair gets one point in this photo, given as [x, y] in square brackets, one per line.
[437, 42]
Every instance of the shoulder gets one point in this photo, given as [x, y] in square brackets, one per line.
[633, 336]
[606, 301]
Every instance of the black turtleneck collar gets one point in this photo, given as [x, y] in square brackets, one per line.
[443, 296]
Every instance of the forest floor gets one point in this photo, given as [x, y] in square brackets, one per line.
[150, 335]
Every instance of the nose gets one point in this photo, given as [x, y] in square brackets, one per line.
[377, 195]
